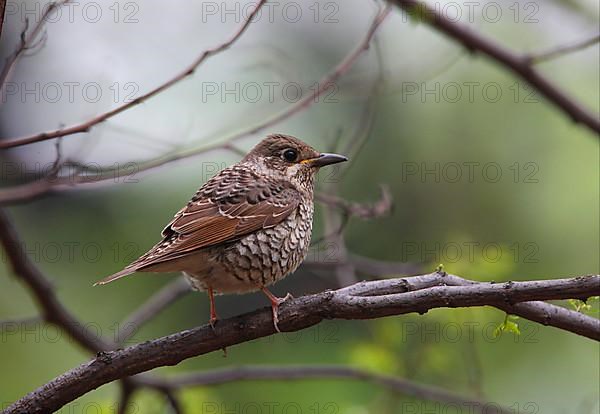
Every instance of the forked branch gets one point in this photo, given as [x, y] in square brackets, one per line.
[365, 300]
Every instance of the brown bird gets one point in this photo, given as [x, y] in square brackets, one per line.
[247, 227]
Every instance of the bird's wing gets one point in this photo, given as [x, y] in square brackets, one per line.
[230, 205]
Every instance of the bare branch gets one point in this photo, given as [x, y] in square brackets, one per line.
[547, 314]
[86, 126]
[519, 64]
[127, 391]
[333, 230]
[26, 42]
[329, 80]
[54, 312]
[303, 312]
[104, 177]
[32, 190]
[366, 211]
[258, 323]
[2, 9]
[50, 306]
[562, 50]
[305, 372]
[173, 402]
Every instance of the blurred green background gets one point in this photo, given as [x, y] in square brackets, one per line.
[500, 170]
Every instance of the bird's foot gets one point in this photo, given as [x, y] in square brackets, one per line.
[275, 310]
[213, 312]
[275, 302]
[213, 321]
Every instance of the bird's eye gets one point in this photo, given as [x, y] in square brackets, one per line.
[290, 155]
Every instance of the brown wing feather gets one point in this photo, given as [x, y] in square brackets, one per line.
[230, 205]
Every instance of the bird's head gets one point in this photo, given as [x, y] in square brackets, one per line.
[284, 156]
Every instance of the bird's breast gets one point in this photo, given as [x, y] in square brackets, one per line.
[268, 255]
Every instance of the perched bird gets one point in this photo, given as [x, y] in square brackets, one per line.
[247, 227]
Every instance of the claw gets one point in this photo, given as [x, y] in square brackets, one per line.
[275, 302]
[213, 313]
[212, 323]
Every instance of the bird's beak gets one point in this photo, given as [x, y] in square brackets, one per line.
[325, 159]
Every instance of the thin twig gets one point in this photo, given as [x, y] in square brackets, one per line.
[26, 42]
[127, 391]
[173, 402]
[79, 175]
[562, 50]
[86, 126]
[51, 309]
[153, 306]
[365, 211]
[519, 64]
[305, 372]
[32, 190]
[349, 209]
[334, 222]
[2, 9]
[331, 78]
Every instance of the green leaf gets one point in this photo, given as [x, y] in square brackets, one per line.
[508, 325]
[579, 305]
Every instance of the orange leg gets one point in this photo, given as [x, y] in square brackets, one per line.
[275, 302]
[213, 311]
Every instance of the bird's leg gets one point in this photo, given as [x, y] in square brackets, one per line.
[275, 302]
[213, 311]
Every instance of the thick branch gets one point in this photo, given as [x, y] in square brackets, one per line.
[520, 65]
[362, 301]
[546, 314]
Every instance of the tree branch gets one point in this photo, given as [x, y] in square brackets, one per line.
[25, 42]
[305, 372]
[50, 306]
[37, 188]
[51, 309]
[157, 302]
[520, 65]
[562, 50]
[362, 301]
[2, 10]
[173, 402]
[125, 397]
[86, 126]
[379, 208]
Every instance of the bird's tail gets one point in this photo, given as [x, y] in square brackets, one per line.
[115, 276]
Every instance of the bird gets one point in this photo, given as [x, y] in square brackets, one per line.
[246, 228]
